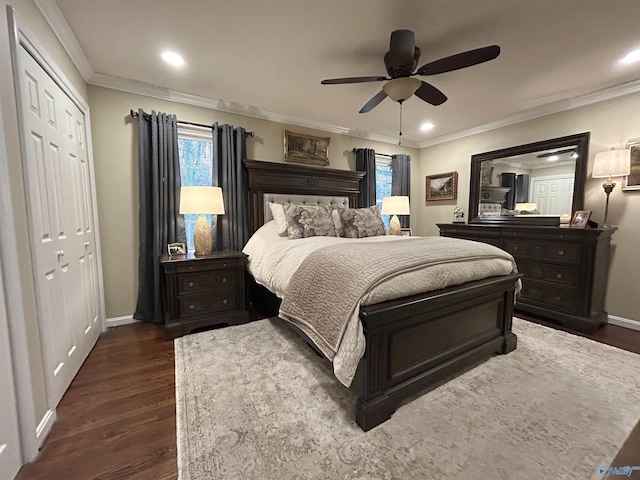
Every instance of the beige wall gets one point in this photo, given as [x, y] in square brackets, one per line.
[611, 123]
[115, 155]
[15, 240]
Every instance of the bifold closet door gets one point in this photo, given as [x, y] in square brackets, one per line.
[58, 185]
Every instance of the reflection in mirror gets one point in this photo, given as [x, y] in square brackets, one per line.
[538, 182]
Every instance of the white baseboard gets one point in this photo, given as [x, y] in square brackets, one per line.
[44, 427]
[624, 322]
[116, 321]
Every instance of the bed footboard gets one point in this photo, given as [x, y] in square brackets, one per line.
[417, 342]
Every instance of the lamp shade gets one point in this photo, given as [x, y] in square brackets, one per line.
[201, 200]
[612, 163]
[395, 205]
[400, 89]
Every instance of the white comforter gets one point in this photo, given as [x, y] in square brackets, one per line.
[272, 259]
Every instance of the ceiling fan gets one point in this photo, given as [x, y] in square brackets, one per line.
[401, 61]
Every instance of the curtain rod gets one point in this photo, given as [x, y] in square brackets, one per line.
[377, 154]
[249, 133]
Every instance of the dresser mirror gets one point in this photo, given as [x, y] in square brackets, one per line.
[535, 184]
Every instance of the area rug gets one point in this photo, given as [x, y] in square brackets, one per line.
[255, 402]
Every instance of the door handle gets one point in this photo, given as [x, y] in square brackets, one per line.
[60, 254]
[86, 244]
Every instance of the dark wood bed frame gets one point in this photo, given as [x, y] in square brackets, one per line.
[412, 343]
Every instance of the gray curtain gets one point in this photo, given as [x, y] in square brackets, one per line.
[401, 181]
[159, 221]
[229, 149]
[366, 162]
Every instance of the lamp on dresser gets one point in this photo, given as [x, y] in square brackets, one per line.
[395, 205]
[609, 164]
[202, 201]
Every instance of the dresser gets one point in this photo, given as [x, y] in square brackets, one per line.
[203, 291]
[565, 269]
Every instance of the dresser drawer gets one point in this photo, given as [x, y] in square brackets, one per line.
[205, 282]
[550, 296]
[204, 304]
[552, 273]
[551, 252]
[206, 265]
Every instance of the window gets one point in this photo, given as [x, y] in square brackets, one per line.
[196, 167]
[383, 184]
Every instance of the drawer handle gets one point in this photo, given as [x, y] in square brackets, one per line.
[516, 248]
[225, 301]
[224, 280]
[558, 299]
[224, 264]
[191, 306]
[561, 252]
[191, 284]
[559, 275]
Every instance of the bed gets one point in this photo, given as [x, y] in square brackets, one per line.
[410, 343]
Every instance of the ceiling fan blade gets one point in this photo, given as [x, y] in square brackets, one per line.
[377, 98]
[335, 81]
[460, 60]
[402, 48]
[430, 94]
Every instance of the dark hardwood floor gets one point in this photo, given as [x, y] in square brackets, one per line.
[117, 420]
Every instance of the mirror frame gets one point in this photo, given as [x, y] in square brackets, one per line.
[581, 140]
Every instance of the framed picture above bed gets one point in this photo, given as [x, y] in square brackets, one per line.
[443, 186]
[302, 148]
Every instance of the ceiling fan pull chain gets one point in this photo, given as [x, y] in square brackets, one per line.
[400, 133]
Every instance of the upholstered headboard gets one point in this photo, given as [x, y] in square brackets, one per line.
[284, 182]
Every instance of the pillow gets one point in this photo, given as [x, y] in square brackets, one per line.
[309, 221]
[277, 210]
[335, 215]
[361, 222]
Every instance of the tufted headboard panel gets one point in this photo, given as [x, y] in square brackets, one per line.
[300, 184]
[336, 202]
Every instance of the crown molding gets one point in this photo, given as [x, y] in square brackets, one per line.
[58, 23]
[541, 111]
[154, 91]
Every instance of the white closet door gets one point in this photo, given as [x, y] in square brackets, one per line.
[61, 224]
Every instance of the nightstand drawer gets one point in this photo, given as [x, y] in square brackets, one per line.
[549, 295]
[559, 274]
[204, 304]
[206, 282]
[551, 252]
[206, 265]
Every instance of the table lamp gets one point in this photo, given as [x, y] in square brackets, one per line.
[395, 205]
[609, 164]
[202, 200]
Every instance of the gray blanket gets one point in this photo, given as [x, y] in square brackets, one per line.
[332, 281]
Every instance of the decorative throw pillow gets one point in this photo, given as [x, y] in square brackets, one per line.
[277, 210]
[335, 215]
[309, 221]
[361, 222]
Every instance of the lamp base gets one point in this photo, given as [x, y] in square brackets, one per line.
[394, 226]
[202, 237]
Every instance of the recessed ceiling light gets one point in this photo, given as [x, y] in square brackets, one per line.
[631, 57]
[425, 127]
[554, 158]
[173, 58]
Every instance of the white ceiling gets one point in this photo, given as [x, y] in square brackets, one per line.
[266, 58]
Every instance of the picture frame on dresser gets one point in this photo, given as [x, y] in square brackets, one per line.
[580, 219]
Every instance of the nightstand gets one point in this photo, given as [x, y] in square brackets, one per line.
[203, 291]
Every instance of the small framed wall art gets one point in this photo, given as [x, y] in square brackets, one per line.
[303, 148]
[443, 186]
[632, 182]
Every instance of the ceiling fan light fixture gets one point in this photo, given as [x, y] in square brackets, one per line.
[400, 89]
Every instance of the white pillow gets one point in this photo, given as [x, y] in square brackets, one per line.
[277, 210]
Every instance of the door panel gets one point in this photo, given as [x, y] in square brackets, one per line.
[60, 217]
